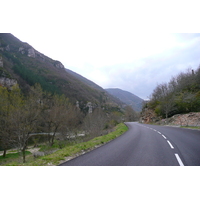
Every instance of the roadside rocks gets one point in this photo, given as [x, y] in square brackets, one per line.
[190, 119]
[149, 116]
[7, 82]
[37, 154]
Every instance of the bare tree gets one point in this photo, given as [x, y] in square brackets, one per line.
[56, 116]
[25, 118]
[130, 114]
[94, 123]
[10, 100]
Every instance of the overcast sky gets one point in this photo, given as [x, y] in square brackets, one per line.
[116, 44]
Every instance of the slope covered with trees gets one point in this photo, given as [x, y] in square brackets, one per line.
[180, 95]
[38, 96]
[128, 98]
[28, 66]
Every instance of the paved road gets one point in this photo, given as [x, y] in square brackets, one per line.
[146, 145]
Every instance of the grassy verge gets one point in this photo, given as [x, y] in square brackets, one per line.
[72, 150]
[12, 158]
[191, 127]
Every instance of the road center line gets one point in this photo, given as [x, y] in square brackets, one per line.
[164, 136]
[179, 160]
[170, 144]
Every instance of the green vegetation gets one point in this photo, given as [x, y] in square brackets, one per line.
[180, 95]
[24, 119]
[191, 127]
[12, 158]
[43, 70]
[73, 149]
[32, 75]
[4, 73]
[49, 106]
[13, 155]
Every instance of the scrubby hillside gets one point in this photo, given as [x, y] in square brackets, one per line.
[41, 100]
[128, 98]
[181, 95]
[20, 62]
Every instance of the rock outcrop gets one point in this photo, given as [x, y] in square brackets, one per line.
[22, 50]
[59, 65]
[189, 119]
[7, 48]
[89, 105]
[7, 82]
[149, 116]
[31, 53]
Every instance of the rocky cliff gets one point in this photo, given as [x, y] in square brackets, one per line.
[5, 78]
[7, 82]
[190, 119]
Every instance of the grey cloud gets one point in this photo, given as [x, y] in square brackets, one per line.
[142, 76]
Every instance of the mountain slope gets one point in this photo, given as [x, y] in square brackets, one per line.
[128, 98]
[95, 86]
[19, 61]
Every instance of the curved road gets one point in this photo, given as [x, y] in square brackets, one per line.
[146, 145]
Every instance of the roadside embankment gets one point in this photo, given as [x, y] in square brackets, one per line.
[71, 151]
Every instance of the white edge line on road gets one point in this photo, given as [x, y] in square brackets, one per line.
[170, 144]
[158, 132]
[164, 136]
[179, 160]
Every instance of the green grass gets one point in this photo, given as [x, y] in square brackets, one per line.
[73, 149]
[13, 155]
[192, 127]
[12, 158]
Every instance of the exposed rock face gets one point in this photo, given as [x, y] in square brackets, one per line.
[7, 48]
[31, 53]
[149, 116]
[22, 50]
[77, 104]
[59, 65]
[89, 105]
[7, 82]
[190, 119]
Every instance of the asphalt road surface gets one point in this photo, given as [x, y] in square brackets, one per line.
[146, 145]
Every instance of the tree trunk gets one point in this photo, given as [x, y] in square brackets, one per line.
[24, 155]
[53, 136]
[4, 153]
[52, 140]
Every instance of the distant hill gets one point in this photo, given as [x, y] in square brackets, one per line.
[95, 86]
[21, 63]
[128, 98]
[85, 80]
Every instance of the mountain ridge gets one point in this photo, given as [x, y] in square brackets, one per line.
[21, 62]
[128, 98]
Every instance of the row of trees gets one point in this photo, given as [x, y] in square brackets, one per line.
[41, 112]
[20, 116]
[180, 95]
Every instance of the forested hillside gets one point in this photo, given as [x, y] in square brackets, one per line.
[39, 96]
[128, 98]
[21, 62]
[180, 95]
